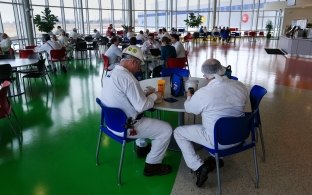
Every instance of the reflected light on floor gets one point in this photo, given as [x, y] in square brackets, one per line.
[40, 189]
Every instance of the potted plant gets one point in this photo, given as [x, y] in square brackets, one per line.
[193, 21]
[269, 27]
[46, 22]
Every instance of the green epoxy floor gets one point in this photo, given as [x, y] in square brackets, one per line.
[60, 135]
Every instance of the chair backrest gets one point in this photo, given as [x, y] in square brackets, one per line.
[41, 66]
[58, 54]
[30, 47]
[232, 130]
[5, 107]
[120, 33]
[81, 45]
[26, 53]
[140, 42]
[5, 72]
[113, 118]
[105, 61]
[176, 62]
[181, 30]
[180, 71]
[261, 33]
[234, 78]
[256, 94]
[88, 38]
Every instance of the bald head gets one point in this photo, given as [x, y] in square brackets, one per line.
[211, 67]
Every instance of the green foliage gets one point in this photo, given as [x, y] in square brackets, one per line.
[46, 22]
[125, 27]
[193, 21]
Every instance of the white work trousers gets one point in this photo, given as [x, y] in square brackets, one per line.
[184, 135]
[160, 134]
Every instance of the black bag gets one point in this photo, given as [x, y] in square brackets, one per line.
[177, 85]
[228, 71]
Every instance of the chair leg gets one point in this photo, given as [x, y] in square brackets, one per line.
[98, 148]
[102, 78]
[218, 173]
[14, 131]
[121, 161]
[19, 125]
[262, 142]
[256, 166]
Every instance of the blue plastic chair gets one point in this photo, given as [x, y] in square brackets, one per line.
[180, 71]
[114, 119]
[231, 130]
[234, 78]
[256, 94]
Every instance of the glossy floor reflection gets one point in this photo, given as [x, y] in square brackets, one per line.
[61, 128]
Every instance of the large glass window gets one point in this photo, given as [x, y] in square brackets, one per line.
[8, 20]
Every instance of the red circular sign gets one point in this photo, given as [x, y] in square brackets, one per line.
[245, 18]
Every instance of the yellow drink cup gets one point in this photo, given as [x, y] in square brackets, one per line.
[161, 86]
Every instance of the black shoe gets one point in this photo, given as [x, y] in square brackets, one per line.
[210, 163]
[143, 151]
[202, 175]
[156, 169]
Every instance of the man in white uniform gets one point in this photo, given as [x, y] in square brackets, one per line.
[122, 90]
[47, 46]
[221, 97]
[113, 53]
[150, 43]
[97, 34]
[74, 34]
[178, 46]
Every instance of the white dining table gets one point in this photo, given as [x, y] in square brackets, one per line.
[18, 62]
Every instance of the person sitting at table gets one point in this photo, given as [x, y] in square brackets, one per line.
[74, 34]
[141, 37]
[146, 33]
[221, 97]
[167, 51]
[133, 41]
[5, 45]
[165, 33]
[110, 31]
[47, 46]
[58, 30]
[96, 35]
[122, 90]
[175, 40]
[150, 43]
[130, 33]
[64, 41]
[113, 53]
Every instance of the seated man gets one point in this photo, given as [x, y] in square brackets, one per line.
[113, 53]
[96, 35]
[221, 97]
[150, 43]
[122, 90]
[5, 46]
[47, 46]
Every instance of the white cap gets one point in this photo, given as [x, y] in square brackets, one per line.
[134, 51]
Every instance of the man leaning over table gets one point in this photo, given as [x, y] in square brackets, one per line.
[122, 90]
[221, 97]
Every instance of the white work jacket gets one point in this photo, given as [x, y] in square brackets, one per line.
[221, 97]
[122, 90]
